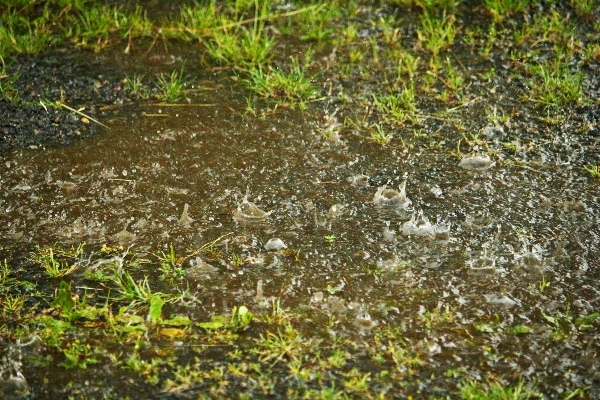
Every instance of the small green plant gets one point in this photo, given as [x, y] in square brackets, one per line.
[454, 81]
[293, 87]
[593, 170]
[543, 284]
[330, 239]
[315, 23]
[241, 46]
[240, 319]
[436, 34]
[47, 258]
[97, 23]
[380, 136]
[129, 290]
[499, 9]
[565, 324]
[555, 85]
[584, 8]
[136, 85]
[283, 345]
[399, 106]
[170, 265]
[78, 355]
[7, 84]
[472, 390]
[12, 304]
[171, 88]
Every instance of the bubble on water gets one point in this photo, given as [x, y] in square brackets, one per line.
[336, 210]
[140, 224]
[501, 300]
[185, 220]
[248, 211]
[476, 162]
[364, 322]
[124, 237]
[493, 132]
[275, 244]
[200, 269]
[360, 181]
[390, 198]
[389, 235]
[418, 225]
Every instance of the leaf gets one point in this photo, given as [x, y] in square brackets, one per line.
[64, 298]
[550, 319]
[519, 329]
[210, 325]
[485, 328]
[173, 333]
[156, 304]
[180, 320]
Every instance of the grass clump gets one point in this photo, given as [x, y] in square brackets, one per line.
[436, 34]
[472, 390]
[171, 87]
[293, 87]
[554, 84]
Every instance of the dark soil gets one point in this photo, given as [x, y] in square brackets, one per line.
[54, 78]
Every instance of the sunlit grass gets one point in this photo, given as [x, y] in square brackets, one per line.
[554, 84]
[437, 34]
[293, 87]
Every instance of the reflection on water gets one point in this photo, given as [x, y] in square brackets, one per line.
[324, 230]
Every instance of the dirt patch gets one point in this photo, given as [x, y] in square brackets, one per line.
[42, 84]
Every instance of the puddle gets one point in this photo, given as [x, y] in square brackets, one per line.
[451, 251]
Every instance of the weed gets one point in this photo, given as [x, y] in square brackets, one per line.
[436, 34]
[584, 8]
[455, 81]
[543, 284]
[294, 86]
[283, 344]
[7, 84]
[12, 304]
[554, 85]
[78, 355]
[171, 88]
[330, 239]
[315, 23]
[54, 268]
[499, 9]
[380, 136]
[170, 265]
[240, 319]
[375, 270]
[247, 47]
[593, 170]
[136, 86]
[130, 290]
[95, 25]
[398, 106]
[472, 390]
[565, 324]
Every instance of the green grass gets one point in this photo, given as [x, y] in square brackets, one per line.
[436, 34]
[554, 84]
[293, 87]
[58, 262]
[368, 64]
[500, 9]
[472, 390]
[171, 88]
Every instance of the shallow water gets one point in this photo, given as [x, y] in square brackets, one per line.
[475, 242]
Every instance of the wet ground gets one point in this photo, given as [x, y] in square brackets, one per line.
[466, 249]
